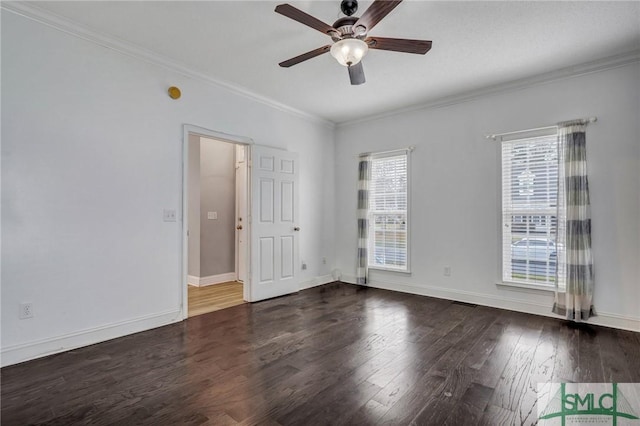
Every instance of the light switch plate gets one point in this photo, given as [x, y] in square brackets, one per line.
[212, 215]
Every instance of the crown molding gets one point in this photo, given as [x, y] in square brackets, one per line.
[59, 23]
[70, 27]
[595, 66]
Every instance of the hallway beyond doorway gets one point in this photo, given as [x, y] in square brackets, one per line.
[212, 298]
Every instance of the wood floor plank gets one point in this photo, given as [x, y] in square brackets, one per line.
[566, 368]
[629, 344]
[615, 368]
[590, 363]
[497, 416]
[540, 371]
[491, 371]
[469, 409]
[202, 300]
[507, 392]
[453, 367]
[368, 414]
[330, 355]
[421, 392]
[479, 354]
[342, 399]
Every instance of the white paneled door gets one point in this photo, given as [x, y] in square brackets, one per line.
[274, 222]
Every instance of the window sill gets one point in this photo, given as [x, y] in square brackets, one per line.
[540, 287]
[380, 268]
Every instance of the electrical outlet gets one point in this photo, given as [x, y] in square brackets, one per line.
[447, 271]
[212, 215]
[26, 311]
[304, 265]
[324, 260]
[169, 215]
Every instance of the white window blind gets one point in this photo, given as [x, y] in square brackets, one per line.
[530, 210]
[388, 218]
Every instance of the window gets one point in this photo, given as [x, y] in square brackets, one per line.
[530, 210]
[388, 218]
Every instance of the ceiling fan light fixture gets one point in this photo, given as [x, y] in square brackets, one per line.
[349, 51]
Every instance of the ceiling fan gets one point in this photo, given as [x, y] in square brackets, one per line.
[350, 36]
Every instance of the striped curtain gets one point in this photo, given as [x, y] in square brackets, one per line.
[364, 176]
[574, 281]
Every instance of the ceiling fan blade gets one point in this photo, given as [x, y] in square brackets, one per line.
[304, 18]
[399, 44]
[312, 54]
[378, 10]
[356, 74]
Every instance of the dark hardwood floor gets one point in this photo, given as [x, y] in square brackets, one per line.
[336, 354]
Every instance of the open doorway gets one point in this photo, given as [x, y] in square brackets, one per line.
[216, 220]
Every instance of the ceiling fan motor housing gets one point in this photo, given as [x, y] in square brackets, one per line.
[345, 28]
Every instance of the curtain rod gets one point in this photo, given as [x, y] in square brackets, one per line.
[578, 121]
[391, 151]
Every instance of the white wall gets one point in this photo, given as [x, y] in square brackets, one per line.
[91, 155]
[455, 176]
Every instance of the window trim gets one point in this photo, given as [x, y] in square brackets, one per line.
[518, 285]
[511, 137]
[386, 154]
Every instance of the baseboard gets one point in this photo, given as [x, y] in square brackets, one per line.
[314, 282]
[27, 351]
[349, 279]
[604, 319]
[211, 279]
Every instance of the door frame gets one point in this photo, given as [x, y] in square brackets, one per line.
[242, 216]
[188, 129]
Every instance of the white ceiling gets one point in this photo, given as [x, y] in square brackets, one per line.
[475, 44]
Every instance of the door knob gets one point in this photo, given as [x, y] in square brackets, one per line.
[239, 227]
[297, 228]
